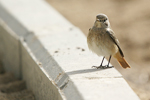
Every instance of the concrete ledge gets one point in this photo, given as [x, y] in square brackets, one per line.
[52, 56]
[9, 49]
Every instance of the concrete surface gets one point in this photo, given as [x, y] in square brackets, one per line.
[54, 58]
[9, 49]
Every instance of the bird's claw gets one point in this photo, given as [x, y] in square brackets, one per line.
[102, 67]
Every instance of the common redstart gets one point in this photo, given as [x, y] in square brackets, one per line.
[102, 40]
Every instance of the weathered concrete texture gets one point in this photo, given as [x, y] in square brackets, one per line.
[55, 60]
[13, 23]
[9, 49]
[48, 79]
[105, 89]
[37, 81]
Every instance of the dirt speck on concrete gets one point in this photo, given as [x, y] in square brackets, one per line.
[56, 52]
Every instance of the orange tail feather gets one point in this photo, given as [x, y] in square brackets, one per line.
[121, 60]
[123, 63]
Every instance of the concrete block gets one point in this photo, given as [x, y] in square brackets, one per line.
[48, 67]
[36, 80]
[9, 50]
[10, 19]
[55, 60]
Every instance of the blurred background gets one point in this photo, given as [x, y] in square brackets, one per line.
[130, 20]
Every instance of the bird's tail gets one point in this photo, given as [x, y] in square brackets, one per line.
[122, 61]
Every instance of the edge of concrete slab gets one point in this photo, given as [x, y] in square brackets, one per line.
[52, 55]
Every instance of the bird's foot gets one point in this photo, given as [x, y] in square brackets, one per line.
[102, 67]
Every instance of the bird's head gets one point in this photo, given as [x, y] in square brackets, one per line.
[102, 21]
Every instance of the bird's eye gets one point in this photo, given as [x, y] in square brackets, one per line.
[104, 20]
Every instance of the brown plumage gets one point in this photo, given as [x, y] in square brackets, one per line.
[121, 60]
[102, 41]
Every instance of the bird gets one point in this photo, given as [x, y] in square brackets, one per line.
[102, 40]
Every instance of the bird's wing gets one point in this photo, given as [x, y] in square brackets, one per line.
[115, 40]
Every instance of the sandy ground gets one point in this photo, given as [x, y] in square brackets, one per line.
[12, 88]
[130, 20]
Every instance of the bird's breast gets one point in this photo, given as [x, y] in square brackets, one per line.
[100, 43]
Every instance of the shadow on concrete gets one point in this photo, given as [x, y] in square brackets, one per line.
[84, 71]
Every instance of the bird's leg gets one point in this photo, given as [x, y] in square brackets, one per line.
[101, 65]
[102, 61]
[109, 62]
